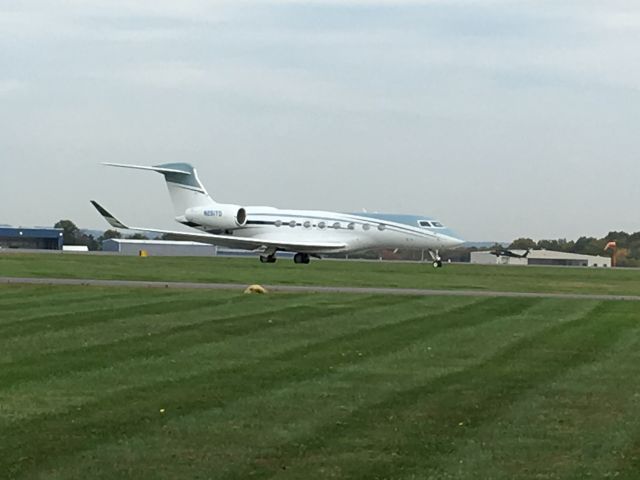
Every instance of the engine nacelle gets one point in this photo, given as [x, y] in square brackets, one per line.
[218, 216]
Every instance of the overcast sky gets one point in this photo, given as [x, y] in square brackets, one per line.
[500, 118]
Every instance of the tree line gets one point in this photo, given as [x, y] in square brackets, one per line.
[72, 235]
[628, 246]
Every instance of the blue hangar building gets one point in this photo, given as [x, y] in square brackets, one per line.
[35, 238]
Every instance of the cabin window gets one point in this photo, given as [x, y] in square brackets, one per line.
[292, 223]
[382, 227]
[307, 224]
[336, 225]
[322, 225]
[366, 226]
[424, 223]
[351, 226]
[278, 223]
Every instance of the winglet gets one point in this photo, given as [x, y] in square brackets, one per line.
[113, 221]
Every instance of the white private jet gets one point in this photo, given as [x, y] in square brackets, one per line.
[306, 233]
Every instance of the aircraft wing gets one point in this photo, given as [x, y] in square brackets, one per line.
[247, 243]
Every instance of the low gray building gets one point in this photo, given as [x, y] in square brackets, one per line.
[542, 257]
[165, 248]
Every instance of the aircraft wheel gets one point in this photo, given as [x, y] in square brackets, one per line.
[267, 259]
[301, 258]
[437, 263]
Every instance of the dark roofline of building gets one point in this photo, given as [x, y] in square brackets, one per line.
[17, 232]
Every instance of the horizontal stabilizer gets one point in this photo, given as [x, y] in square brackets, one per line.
[158, 169]
[183, 184]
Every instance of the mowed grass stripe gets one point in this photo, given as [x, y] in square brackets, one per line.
[79, 387]
[132, 410]
[486, 316]
[92, 299]
[392, 336]
[33, 310]
[432, 417]
[100, 327]
[314, 403]
[24, 303]
[201, 313]
[17, 293]
[135, 451]
[104, 310]
[263, 421]
[227, 436]
[579, 425]
[207, 342]
[207, 327]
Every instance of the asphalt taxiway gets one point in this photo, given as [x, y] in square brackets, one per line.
[309, 289]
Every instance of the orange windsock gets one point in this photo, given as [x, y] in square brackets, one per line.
[609, 245]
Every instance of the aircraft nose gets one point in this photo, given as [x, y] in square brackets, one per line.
[449, 241]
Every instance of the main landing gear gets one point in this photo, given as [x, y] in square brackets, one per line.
[301, 258]
[267, 258]
[297, 258]
[437, 260]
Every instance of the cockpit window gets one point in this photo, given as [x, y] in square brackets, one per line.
[430, 224]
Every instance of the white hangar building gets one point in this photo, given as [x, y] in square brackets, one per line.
[542, 257]
[166, 248]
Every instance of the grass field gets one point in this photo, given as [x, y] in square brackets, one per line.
[107, 383]
[324, 272]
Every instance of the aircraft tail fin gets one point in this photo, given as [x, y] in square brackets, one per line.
[185, 189]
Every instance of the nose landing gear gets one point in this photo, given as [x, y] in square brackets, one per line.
[437, 260]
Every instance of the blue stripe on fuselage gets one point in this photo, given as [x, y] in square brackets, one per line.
[410, 220]
[398, 219]
[413, 229]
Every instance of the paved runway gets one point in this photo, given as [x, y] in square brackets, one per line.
[309, 289]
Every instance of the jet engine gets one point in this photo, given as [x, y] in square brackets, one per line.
[218, 217]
